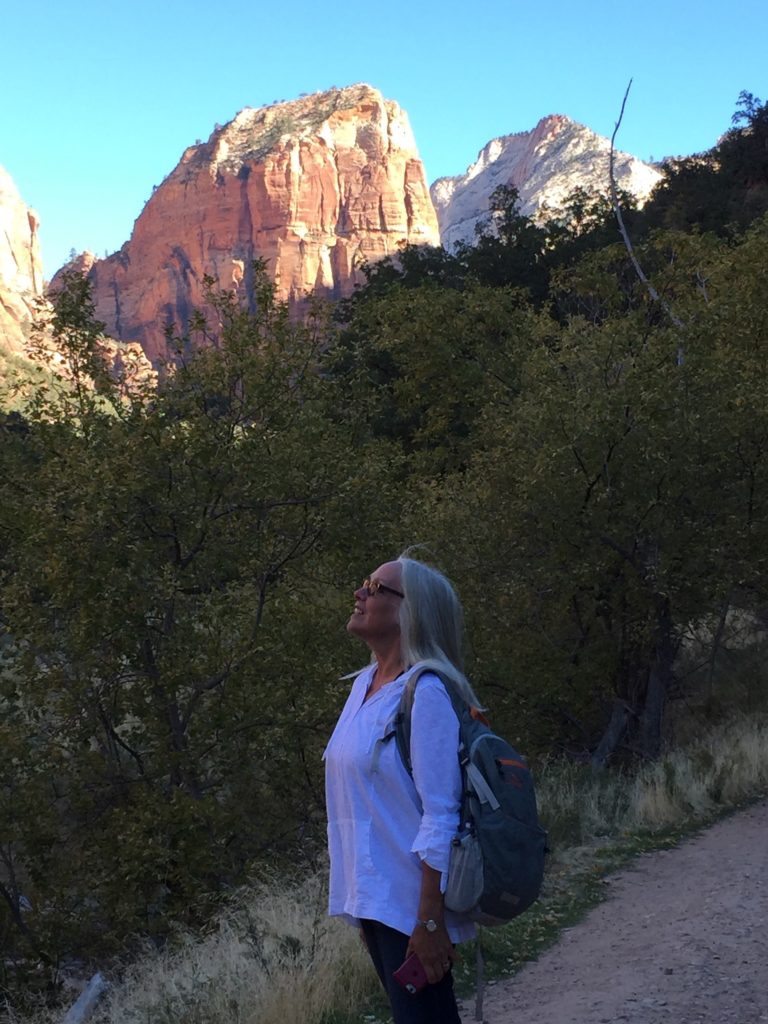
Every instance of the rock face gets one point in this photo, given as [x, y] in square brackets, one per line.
[125, 360]
[79, 264]
[21, 271]
[313, 186]
[545, 165]
[22, 305]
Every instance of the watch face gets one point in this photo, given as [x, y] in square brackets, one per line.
[431, 925]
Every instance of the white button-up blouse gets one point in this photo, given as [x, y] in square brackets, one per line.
[381, 822]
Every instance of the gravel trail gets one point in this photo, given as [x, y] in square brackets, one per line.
[682, 938]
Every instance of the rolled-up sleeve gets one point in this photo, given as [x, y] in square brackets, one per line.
[436, 774]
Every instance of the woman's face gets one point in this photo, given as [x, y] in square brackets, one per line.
[376, 616]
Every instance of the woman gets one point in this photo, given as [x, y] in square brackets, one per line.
[389, 834]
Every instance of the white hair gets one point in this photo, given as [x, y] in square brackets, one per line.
[432, 625]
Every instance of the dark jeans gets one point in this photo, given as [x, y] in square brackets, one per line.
[435, 1004]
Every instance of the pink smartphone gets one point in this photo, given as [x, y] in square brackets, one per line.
[410, 974]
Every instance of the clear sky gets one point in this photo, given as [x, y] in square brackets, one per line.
[100, 99]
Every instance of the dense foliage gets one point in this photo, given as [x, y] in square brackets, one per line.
[177, 561]
[176, 569]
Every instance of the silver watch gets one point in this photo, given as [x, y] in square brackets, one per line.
[431, 925]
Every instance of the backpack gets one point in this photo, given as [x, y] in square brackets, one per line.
[497, 856]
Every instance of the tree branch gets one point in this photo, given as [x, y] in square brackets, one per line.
[622, 227]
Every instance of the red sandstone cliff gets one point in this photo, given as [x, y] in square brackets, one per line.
[21, 271]
[313, 186]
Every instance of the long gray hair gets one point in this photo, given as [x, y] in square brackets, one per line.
[432, 624]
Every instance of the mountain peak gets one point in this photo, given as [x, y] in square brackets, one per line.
[254, 131]
[314, 186]
[545, 164]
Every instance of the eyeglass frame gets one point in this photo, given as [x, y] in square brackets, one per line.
[372, 587]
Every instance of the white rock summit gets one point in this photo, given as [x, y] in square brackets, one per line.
[21, 271]
[545, 165]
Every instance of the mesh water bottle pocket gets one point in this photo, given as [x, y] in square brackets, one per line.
[465, 874]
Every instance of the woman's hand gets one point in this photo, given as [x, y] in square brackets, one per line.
[434, 950]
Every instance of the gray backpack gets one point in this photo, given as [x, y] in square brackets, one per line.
[497, 855]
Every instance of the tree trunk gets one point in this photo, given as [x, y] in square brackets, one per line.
[637, 716]
[614, 733]
[659, 679]
[652, 716]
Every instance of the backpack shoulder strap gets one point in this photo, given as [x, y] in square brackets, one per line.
[402, 722]
[400, 726]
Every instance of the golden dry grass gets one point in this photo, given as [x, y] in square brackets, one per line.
[273, 957]
[721, 768]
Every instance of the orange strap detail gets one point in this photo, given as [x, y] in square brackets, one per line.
[478, 716]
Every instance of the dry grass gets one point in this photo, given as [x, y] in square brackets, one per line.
[721, 768]
[275, 958]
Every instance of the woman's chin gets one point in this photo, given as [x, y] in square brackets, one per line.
[354, 623]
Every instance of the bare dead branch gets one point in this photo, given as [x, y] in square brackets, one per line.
[622, 227]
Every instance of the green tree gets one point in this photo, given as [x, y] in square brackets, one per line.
[616, 499]
[176, 566]
[419, 364]
[723, 190]
[509, 248]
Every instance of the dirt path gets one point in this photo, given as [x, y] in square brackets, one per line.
[682, 938]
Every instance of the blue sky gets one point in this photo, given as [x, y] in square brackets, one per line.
[101, 99]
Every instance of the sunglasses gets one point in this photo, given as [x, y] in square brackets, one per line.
[372, 587]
